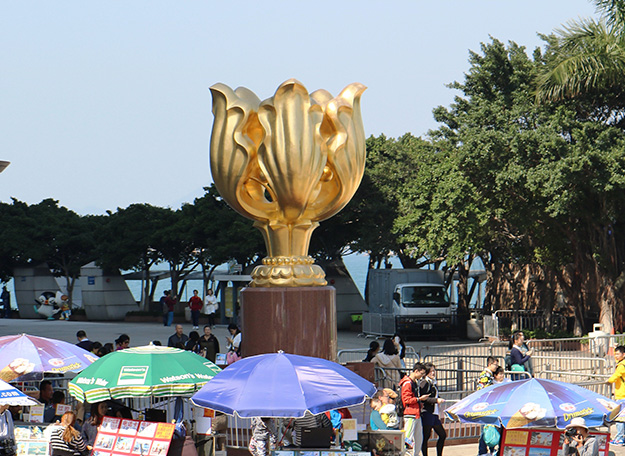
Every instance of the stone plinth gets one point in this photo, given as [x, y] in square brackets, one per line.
[299, 320]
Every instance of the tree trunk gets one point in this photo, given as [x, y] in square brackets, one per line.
[463, 287]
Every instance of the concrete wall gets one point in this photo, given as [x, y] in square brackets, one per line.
[29, 284]
[105, 297]
[348, 298]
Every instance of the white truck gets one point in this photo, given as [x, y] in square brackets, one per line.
[410, 302]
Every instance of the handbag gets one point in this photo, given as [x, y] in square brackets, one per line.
[232, 357]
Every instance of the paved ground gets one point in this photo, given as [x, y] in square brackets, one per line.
[143, 333]
[471, 450]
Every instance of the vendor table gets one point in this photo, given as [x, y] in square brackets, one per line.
[542, 442]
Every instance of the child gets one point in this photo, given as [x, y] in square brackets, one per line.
[65, 311]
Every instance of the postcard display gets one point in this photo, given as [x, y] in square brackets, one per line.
[30, 440]
[119, 437]
[541, 442]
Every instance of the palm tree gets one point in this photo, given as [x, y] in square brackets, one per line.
[585, 62]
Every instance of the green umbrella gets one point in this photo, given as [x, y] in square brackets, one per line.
[150, 370]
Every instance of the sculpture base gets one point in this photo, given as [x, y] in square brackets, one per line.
[300, 320]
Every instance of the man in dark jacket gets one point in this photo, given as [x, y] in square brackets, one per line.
[178, 339]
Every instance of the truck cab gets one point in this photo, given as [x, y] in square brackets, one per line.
[421, 308]
[411, 302]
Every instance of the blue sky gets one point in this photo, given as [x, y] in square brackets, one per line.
[104, 104]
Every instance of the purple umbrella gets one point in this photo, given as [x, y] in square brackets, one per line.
[283, 385]
[23, 355]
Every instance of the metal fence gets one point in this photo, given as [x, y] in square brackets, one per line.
[239, 429]
[378, 324]
[358, 354]
[519, 320]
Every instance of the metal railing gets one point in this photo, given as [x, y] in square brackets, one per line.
[495, 348]
[520, 320]
[358, 354]
[239, 429]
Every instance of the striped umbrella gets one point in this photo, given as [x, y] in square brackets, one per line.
[143, 371]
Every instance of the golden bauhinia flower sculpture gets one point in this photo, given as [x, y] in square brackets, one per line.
[287, 163]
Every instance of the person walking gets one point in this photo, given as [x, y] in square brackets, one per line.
[65, 440]
[195, 304]
[618, 379]
[410, 398]
[168, 303]
[209, 345]
[430, 413]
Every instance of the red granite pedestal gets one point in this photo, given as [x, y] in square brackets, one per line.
[298, 320]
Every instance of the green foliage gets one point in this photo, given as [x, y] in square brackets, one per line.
[47, 233]
[584, 65]
[543, 334]
[217, 233]
[128, 237]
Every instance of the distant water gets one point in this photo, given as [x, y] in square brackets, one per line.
[355, 263]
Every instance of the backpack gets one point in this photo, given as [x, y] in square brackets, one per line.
[399, 407]
[508, 361]
[491, 435]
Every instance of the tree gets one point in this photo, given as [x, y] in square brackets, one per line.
[59, 237]
[14, 240]
[585, 63]
[544, 182]
[127, 243]
[173, 246]
[219, 234]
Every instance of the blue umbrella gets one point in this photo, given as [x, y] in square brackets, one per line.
[9, 395]
[534, 402]
[283, 385]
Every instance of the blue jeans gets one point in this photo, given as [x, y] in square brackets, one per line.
[620, 426]
[620, 432]
[168, 318]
